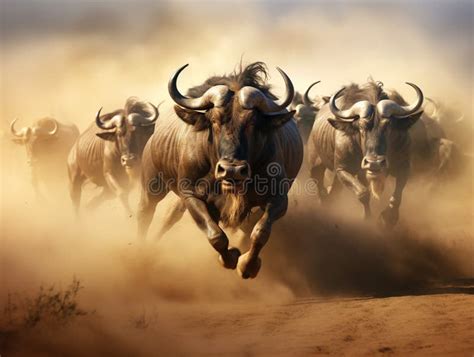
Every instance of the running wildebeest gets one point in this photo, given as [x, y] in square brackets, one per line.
[47, 143]
[109, 152]
[229, 136]
[362, 136]
[306, 110]
[433, 154]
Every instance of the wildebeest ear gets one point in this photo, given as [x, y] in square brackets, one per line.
[278, 120]
[191, 117]
[106, 135]
[340, 125]
[406, 123]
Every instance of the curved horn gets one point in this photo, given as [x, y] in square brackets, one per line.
[251, 97]
[290, 91]
[435, 106]
[55, 130]
[110, 124]
[138, 119]
[347, 115]
[306, 99]
[388, 108]
[202, 103]
[13, 130]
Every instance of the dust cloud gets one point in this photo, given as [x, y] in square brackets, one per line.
[103, 53]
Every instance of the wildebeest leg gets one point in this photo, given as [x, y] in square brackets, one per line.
[120, 191]
[76, 179]
[334, 190]
[317, 174]
[247, 225]
[216, 236]
[249, 263]
[389, 215]
[153, 190]
[361, 191]
[35, 184]
[101, 197]
[173, 215]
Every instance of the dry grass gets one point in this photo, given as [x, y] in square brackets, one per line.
[49, 305]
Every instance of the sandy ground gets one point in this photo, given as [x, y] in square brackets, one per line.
[330, 285]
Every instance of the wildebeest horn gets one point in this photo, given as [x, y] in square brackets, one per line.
[388, 108]
[110, 124]
[140, 120]
[214, 96]
[348, 115]
[435, 106]
[251, 97]
[55, 130]
[12, 128]
[306, 99]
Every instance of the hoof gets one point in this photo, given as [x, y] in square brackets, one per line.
[389, 218]
[230, 259]
[248, 268]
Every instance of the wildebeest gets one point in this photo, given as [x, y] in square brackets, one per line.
[433, 154]
[47, 143]
[222, 150]
[362, 136]
[306, 110]
[108, 152]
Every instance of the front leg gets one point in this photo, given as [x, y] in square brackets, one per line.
[390, 215]
[361, 191]
[120, 191]
[249, 263]
[216, 236]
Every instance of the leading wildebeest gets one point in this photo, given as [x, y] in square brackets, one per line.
[47, 143]
[362, 135]
[221, 151]
[108, 153]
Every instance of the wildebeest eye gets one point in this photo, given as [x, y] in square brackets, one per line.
[363, 124]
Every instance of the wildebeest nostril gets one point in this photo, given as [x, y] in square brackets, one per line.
[244, 170]
[220, 169]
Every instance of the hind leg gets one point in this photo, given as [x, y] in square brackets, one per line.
[173, 215]
[76, 179]
[152, 192]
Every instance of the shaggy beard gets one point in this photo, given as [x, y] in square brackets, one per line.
[232, 213]
[376, 186]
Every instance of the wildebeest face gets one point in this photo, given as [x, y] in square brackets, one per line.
[238, 120]
[129, 132]
[35, 138]
[375, 124]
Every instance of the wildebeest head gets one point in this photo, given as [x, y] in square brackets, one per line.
[35, 137]
[240, 112]
[129, 128]
[305, 111]
[375, 118]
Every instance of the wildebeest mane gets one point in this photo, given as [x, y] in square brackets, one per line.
[134, 105]
[45, 123]
[253, 75]
[371, 91]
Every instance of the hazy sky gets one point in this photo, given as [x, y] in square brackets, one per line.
[57, 50]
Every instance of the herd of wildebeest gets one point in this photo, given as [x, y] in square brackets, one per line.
[230, 139]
